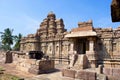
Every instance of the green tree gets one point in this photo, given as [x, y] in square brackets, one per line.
[17, 42]
[7, 38]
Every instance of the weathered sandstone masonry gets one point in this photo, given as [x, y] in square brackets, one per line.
[23, 61]
[97, 43]
[94, 47]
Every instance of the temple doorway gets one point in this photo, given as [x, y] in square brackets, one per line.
[81, 45]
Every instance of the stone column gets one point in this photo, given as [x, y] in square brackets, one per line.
[60, 52]
[91, 53]
[91, 45]
[119, 46]
[53, 50]
[71, 45]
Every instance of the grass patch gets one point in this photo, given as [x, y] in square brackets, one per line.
[8, 77]
[1, 69]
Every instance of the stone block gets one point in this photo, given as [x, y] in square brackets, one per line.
[43, 67]
[27, 65]
[9, 57]
[35, 66]
[112, 78]
[46, 64]
[33, 71]
[116, 73]
[81, 75]
[91, 75]
[81, 62]
[86, 75]
[112, 72]
[68, 73]
[106, 71]
[31, 61]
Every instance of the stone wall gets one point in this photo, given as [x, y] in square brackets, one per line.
[108, 42]
[112, 73]
[23, 62]
[50, 39]
[81, 74]
[112, 63]
[35, 66]
[30, 43]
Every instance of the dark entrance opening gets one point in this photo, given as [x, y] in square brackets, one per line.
[84, 47]
[36, 54]
[81, 45]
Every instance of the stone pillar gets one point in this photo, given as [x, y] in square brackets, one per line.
[91, 53]
[60, 52]
[91, 45]
[53, 50]
[71, 45]
[119, 46]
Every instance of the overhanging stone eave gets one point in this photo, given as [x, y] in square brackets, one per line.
[81, 34]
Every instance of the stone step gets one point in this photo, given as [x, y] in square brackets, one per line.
[81, 62]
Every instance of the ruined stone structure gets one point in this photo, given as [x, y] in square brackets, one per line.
[55, 41]
[49, 38]
[32, 62]
[94, 46]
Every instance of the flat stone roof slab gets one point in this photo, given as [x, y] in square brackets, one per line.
[81, 34]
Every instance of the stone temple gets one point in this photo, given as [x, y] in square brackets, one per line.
[54, 40]
[94, 47]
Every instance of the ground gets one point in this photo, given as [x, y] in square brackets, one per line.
[55, 75]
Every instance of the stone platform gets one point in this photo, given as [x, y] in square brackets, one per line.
[79, 74]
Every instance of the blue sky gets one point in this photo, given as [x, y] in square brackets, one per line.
[24, 16]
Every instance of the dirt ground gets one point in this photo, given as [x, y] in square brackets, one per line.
[10, 69]
[55, 75]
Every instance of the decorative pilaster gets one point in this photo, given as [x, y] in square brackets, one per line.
[91, 45]
[72, 45]
[91, 54]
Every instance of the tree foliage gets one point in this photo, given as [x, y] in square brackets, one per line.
[7, 38]
[17, 42]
